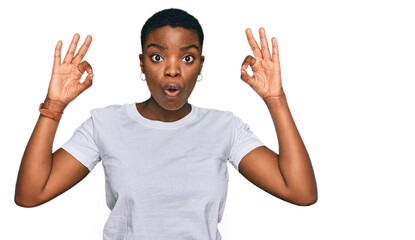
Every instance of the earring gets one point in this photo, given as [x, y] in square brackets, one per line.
[141, 76]
[200, 77]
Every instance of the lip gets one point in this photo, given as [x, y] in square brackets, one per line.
[172, 94]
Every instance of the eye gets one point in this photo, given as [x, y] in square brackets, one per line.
[156, 58]
[188, 59]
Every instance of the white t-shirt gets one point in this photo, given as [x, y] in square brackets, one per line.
[164, 180]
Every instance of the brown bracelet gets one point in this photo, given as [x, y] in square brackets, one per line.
[48, 113]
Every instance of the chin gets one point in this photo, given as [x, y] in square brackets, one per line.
[172, 105]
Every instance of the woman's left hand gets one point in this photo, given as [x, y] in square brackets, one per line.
[266, 79]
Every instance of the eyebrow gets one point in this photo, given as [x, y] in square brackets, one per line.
[156, 45]
[163, 47]
[189, 47]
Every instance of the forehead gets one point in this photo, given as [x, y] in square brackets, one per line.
[174, 37]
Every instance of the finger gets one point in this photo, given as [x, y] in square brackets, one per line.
[248, 61]
[85, 66]
[264, 44]
[82, 51]
[58, 48]
[72, 48]
[246, 78]
[275, 51]
[87, 82]
[253, 43]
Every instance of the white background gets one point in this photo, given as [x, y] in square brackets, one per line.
[347, 70]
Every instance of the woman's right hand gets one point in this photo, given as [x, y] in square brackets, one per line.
[65, 83]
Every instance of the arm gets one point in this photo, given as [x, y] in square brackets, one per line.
[44, 175]
[289, 175]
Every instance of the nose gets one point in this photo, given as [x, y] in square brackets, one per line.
[172, 68]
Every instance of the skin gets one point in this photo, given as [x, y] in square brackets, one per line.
[43, 175]
[170, 55]
[288, 175]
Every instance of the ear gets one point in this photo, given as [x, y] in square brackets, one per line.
[202, 60]
[141, 62]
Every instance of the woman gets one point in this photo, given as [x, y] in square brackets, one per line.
[165, 160]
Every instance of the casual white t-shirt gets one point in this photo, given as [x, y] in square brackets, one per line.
[164, 180]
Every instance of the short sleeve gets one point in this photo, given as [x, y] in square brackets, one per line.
[244, 141]
[82, 145]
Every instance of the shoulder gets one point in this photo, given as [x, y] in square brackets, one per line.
[110, 110]
[109, 114]
[213, 113]
[218, 117]
[225, 118]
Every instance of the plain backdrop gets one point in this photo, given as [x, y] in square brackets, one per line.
[347, 70]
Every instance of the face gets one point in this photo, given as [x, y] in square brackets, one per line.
[171, 61]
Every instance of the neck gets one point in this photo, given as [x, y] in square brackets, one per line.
[150, 109]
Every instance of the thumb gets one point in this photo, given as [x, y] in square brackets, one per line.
[87, 82]
[85, 66]
[245, 76]
[248, 61]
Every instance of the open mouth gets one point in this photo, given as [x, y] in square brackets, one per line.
[171, 93]
[172, 90]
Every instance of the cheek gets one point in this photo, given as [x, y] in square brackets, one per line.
[192, 71]
[152, 78]
[151, 67]
[155, 78]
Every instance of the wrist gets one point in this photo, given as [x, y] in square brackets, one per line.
[276, 100]
[53, 105]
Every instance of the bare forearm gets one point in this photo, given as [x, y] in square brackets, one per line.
[294, 161]
[37, 159]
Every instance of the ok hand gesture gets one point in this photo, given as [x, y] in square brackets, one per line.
[65, 83]
[266, 79]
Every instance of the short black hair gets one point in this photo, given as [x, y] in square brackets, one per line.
[172, 17]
